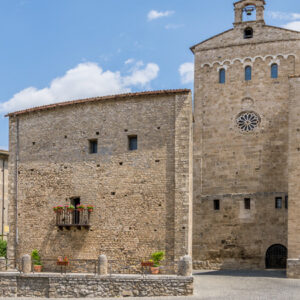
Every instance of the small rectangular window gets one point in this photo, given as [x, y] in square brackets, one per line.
[132, 142]
[222, 75]
[247, 203]
[93, 145]
[248, 73]
[216, 204]
[286, 200]
[278, 202]
[274, 71]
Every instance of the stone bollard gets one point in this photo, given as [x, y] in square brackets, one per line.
[2, 264]
[26, 263]
[102, 265]
[185, 266]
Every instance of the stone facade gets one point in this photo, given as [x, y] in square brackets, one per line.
[4, 193]
[294, 173]
[231, 165]
[79, 285]
[142, 199]
[245, 162]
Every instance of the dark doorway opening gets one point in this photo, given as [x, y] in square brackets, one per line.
[276, 257]
[76, 216]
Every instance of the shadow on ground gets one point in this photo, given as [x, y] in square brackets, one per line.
[244, 273]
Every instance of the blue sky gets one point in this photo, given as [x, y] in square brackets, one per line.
[57, 50]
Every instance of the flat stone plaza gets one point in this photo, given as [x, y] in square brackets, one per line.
[236, 285]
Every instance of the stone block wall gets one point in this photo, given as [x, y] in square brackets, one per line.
[78, 286]
[293, 270]
[230, 165]
[141, 198]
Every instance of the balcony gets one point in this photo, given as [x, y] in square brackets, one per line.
[78, 218]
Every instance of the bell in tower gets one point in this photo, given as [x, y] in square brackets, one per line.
[247, 10]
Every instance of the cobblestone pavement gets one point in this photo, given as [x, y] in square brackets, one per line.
[235, 285]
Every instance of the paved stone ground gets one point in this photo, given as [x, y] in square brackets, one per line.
[235, 285]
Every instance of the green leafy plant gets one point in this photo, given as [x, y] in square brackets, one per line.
[80, 206]
[157, 257]
[70, 207]
[36, 259]
[3, 248]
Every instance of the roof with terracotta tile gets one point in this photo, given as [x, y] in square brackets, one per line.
[94, 99]
[4, 153]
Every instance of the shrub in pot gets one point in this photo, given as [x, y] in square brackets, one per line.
[157, 257]
[36, 260]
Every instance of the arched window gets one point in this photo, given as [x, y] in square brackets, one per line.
[248, 73]
[274, 71]
[222, 76]
[248, 33]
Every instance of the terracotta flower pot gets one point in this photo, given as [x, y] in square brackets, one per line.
[154, 270]
[90, 209]
[37, 268]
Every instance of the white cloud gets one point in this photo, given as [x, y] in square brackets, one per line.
[278, 15]
[173, 26]
[85, 80]
[129, 61]
[154, 14]
[186, 71]
[293, 25]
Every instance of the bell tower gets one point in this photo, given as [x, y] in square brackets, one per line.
[246, 8]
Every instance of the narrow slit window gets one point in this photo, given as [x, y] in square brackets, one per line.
[286, 202]
[132, 142]
[247, 203]
[216, 204]
[248, 73]
[93, 145]
[274, 71]
[278, 202]
[222, 76]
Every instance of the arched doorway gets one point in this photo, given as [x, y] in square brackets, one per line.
[276, 257]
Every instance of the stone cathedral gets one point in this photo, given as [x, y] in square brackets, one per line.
[246, 205]
[228, 196]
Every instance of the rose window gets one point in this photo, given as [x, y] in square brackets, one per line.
[247, 121]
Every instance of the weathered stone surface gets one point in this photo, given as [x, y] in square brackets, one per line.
[26, 263]
[102, 265]
[76, 286]
[185, 266]
[142, 199]
[230, 165]
[293, 266]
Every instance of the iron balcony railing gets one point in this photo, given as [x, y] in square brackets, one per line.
[73, 218]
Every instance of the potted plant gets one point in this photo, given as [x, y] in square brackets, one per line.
[62, 261]
[80, 207]
[36, 260]
[58, 208]
[157, 257]
[90, 208]
[70, 208]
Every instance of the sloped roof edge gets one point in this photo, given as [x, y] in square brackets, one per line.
[94, 99]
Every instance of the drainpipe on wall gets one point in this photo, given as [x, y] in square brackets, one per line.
[3, 182]
[16, 189]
